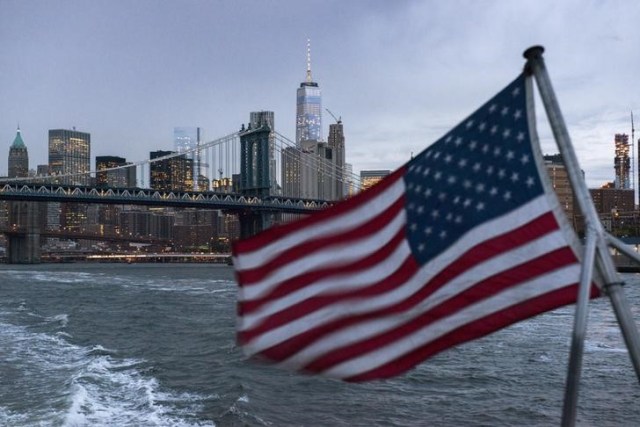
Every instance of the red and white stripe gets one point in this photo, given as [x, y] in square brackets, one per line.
[341, 294]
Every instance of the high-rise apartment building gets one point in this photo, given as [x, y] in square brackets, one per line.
[69, 156]
[622, 162]
[309, 107]
[18, 158]
[188, 140]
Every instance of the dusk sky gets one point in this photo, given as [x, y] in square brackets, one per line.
[399, 73]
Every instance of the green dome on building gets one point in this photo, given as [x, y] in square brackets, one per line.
[18, 158]
[18, 142]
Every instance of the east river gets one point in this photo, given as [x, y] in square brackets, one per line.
[154, 345]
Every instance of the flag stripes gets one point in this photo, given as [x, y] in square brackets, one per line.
[317, 316]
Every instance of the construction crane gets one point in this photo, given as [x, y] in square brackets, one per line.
[338, 120]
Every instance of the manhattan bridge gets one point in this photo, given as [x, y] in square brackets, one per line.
[260, 177]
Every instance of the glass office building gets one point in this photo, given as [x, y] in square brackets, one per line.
[69, 156]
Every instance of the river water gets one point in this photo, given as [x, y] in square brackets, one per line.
[154, 345]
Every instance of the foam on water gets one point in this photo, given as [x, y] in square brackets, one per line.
[73, 386]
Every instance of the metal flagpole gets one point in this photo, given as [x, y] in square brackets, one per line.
[629, 330]
[579, 332]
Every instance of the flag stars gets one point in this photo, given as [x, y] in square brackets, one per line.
[492, 108]
[530, 181]
[426, 171]
[506, 133]
[437, 175]
[494, 129]
[473, 145]
[507, 196]
[470, 123]
[524, 159]
[427, 193]
[428, 230]
[462, 163]
[435, 214]
[448, 158]
[480, 187]
[477, 166]
[505, 111]
[510, 155]
[515, 92]
[452, 179]
[458, 219]
[485, 148]
[520, 136]
[421, 247]
[517, 114]
[502, 173]
[467, 202]
[515, 177]
[413, 226]
[480, 206]
[420, 210]
[490, 170]
[482, 126]
[497, 151]
[418, 188]
[443, 234]
[458, 141]
[493, 191]
[442, 197]
[467, 184]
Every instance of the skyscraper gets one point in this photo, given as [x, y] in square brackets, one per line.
[69, 155]
[622, 162]
[123, 177]
[189, 139]
[18, 158]
[309, 107]
[336, 142]
[171, 174]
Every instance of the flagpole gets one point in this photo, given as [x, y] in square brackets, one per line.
[536, 66]
[579, 332]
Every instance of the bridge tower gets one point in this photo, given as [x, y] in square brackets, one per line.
[24, 238]
[255, 176]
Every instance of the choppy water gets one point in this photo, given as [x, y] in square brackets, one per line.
[154, 345]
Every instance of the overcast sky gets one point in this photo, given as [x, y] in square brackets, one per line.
[399, 73]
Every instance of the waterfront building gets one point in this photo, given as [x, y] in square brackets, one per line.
[308, 107]
[69, 156]
[18, 158]
[368, 178]
[622, 161]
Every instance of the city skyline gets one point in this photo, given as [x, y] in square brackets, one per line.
[397, 73]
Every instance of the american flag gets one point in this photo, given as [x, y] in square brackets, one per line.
[465, 239]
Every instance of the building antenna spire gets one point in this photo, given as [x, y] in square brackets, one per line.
[309, 79]
[633, 172]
